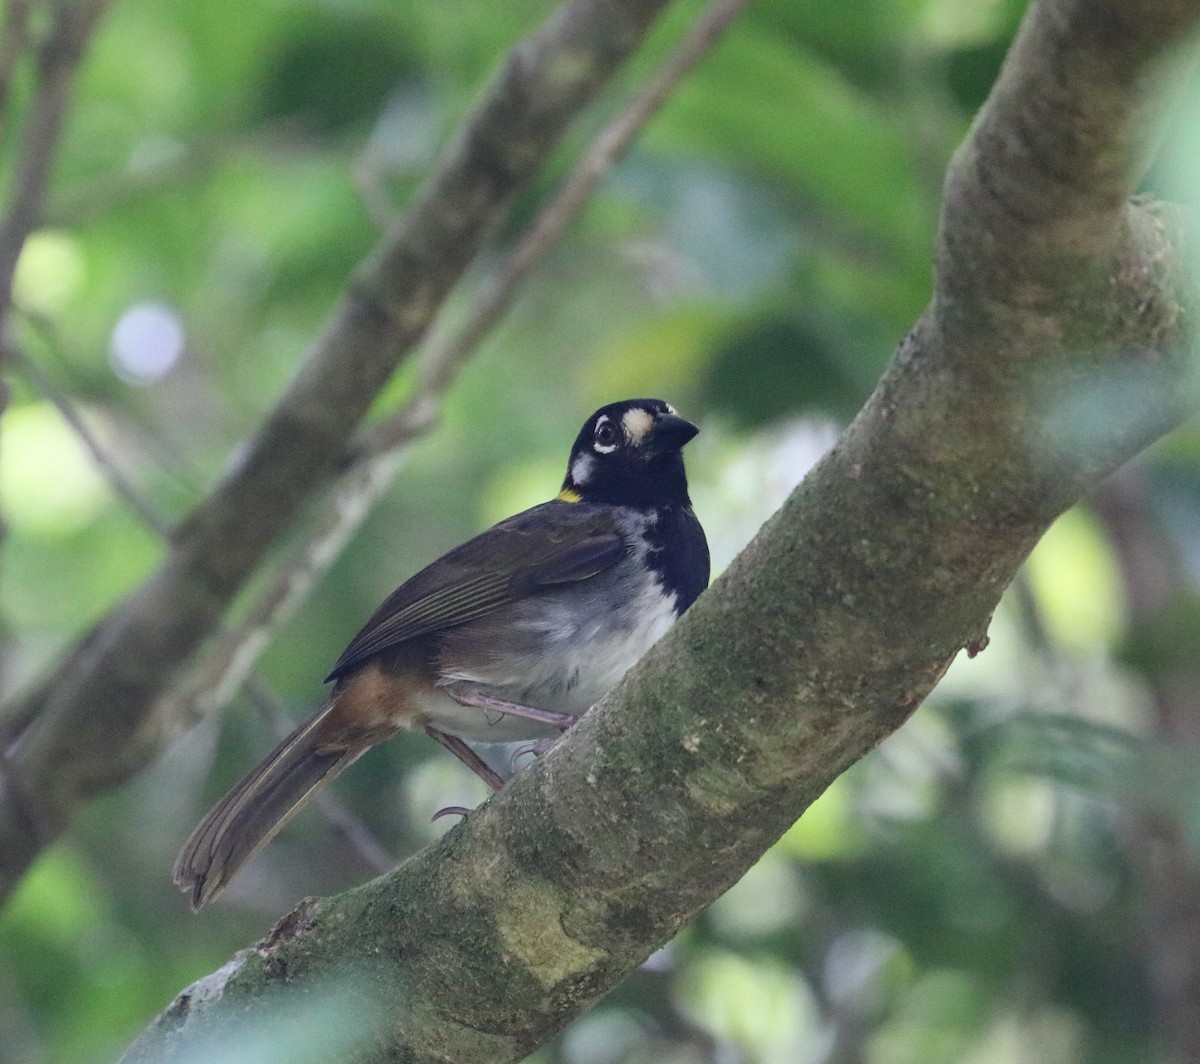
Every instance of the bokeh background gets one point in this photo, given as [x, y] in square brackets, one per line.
[1001, 882]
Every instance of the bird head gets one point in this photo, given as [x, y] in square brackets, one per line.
[630, 453]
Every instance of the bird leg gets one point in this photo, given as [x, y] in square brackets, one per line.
[476, 700]
[472, 760]
[468, 757]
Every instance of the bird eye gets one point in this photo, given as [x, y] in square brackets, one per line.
[607, 435]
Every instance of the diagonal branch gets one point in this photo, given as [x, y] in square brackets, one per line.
[92, 719]
[118, 481]
[825, 634]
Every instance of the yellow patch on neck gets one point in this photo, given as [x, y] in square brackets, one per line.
[567, 495]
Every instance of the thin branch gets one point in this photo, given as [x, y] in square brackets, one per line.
[58, 59]
[122, 486]
[97, 196]
[12, 46]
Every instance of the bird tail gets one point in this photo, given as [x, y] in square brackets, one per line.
[258, 806]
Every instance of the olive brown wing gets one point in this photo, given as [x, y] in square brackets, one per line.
[551, 544]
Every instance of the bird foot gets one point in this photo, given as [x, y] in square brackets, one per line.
[535, 748]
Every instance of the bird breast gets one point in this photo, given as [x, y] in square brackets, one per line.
[563, 650]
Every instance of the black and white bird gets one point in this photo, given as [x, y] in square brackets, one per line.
[509, 637]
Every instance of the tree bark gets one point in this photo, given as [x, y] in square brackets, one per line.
[1055, 295]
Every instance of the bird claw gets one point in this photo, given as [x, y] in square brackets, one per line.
[536, 748]
[451, 810]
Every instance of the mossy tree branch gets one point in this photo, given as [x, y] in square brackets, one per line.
[1056, 346]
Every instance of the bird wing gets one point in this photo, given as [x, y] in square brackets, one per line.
[554, 543]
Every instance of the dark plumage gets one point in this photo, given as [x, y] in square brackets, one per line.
[510, 636]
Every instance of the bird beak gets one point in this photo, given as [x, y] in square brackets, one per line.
[670, 433]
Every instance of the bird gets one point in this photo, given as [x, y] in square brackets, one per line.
[509, 637]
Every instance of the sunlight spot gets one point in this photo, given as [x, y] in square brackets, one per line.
[147, 341]
[48, 483]
[50, 273]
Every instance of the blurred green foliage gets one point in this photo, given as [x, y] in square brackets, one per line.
[967, 894]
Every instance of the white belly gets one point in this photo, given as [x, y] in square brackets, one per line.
[550, 654]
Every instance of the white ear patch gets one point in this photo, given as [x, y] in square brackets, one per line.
[581, 469]
[637, 423]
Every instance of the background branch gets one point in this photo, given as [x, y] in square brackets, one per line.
[444, 355]
[12, 47]
[58, 58]
[836, 621]
[120, 483]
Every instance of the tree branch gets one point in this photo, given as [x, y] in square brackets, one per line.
[116, 478]
[58, 58]
[836, 621]
[92, 719]
[12, 47]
